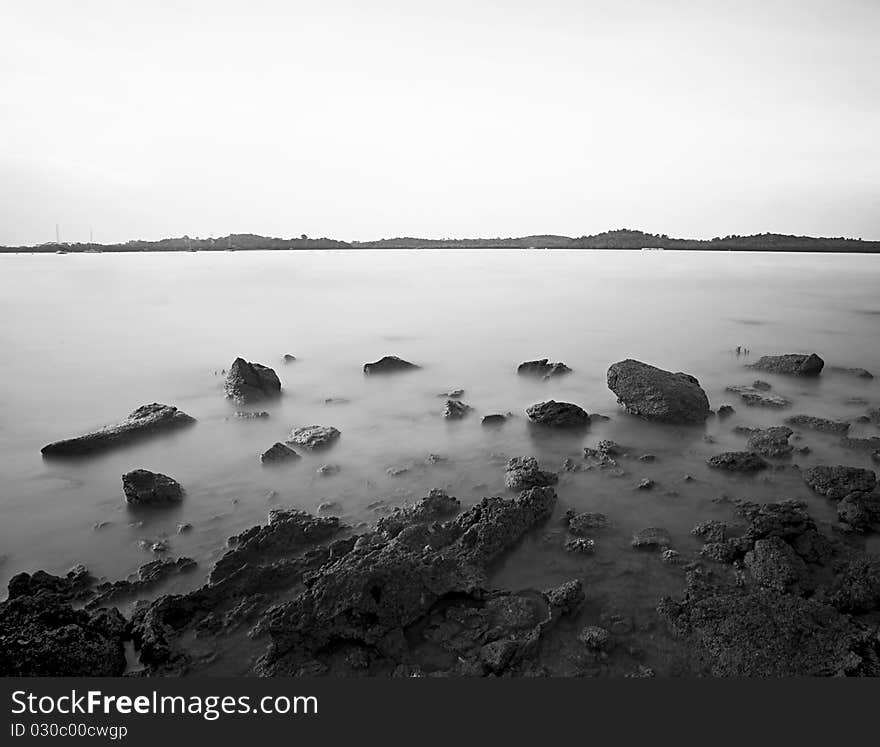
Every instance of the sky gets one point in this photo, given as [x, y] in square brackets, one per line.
[359, 120]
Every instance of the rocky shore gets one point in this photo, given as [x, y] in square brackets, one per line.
[771, 590]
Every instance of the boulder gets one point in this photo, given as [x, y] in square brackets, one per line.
[654, 394]
[772, 442]
[389, 364]
[145, 488]
[523, 473]
[774, 564]
[818, 424]
[558, 414]
[144, 421]
[737, 461]
[278, 453]
[839, 481]
[794, 364]
[314, 436]
[542, 368]
[251, 382]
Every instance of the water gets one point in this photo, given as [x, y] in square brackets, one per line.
[86, 338]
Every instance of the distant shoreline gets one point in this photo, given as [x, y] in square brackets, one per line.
[627, 240]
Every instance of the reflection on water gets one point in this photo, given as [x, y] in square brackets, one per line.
[87, 338]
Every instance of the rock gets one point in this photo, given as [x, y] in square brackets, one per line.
[42, 635]
[795, 364]
[146, 420]
[761, 386]
[874, 415]
[645, 484]
[725, 411]
[159, 546]
[327, 470]
[839, 481]
[184, 527]
[288, 358]
[654, 394]
[870, 444]
[818, 424]
[438, 504]
[670, 556]
[753, 398]
[651, 538]
[314, 436]
[647, 458]
[859, 372]
[455, 410]
[251, 382]
[145, 488]
[278, 453]
[774, 564]
[859, 511]
[856, 587]
[430, 575]
[558, 415]
[711, 531]
[594, 637]
[772, 442]
[241, 415]
[737, 461]
[148, 576]
[586, 523]
[580, 545]
[523, 473]
[494, 419]
[389, 364]
[542, 368]
[452, 394]
[737, 632]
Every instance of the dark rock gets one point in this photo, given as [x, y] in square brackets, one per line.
[655, 394]
[455, 410]
[251, 382]
[580, 545]
[452, 394]
[754, 398]
[737, 461]
[859, 511]
[584, 524]
[494, 419]
[859, 372]
[523, 473]
[145, 488]
[542, 368]
[839, 481]
[651, 538]
[874, 415]
[645, 484]
[278, 453]
[42, 635]
[558, 414]
[145, 421]
[870, 444]
[795, 364]
[818, 424]
[772, 442]
[761, 386]
[594, 637]
[725, 411]
[856, 587]
[762, 633]
[711, 531]
[647, 458]
[314, 436]
[389, 364]
[288, 358]
[260, 415]
[148, 576]
[785, 519]
[438, 504]
[774, 564]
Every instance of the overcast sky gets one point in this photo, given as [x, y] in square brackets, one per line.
[358, 120]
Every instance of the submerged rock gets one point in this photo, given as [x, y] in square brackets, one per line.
[144, 421]
[145, 488]
[580, 545]
[754, 398]
[389, 364]
[655, 394]
[523, 473]
[314, 436]
[737, 461]
[455, 409]
[772, 442]
[586, 523]
[558, 414]
[818, 424]
[725, 411]
[859, 372]
[288, 358]
[438, 504]
[871, 443]
[42, 635]
[839, 481]
[251, 382]
[494, 419]
[651, 538]
[148, 576]
[542, 368]
[795, 364]
[278, 453]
